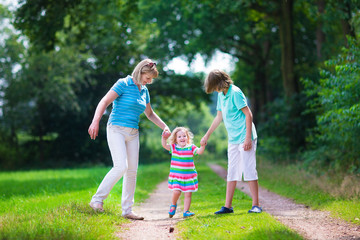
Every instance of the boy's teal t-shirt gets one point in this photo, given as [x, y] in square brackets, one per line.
[230, 106]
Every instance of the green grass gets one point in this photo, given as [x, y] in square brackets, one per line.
[240, 225]
[53, 204]
[317, 192]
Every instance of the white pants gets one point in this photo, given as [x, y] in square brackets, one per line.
[242, 163]
[124, 147]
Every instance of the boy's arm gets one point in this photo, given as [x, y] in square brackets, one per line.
[164, 143]
[248, 121]
[217, 120]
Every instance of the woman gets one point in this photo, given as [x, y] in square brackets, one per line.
[130, 98]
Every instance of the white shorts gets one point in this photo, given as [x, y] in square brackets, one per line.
[242, 162]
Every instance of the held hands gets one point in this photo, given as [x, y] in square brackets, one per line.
[166, 133]
[203, 141]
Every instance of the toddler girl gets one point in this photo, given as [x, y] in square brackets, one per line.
[183, 175]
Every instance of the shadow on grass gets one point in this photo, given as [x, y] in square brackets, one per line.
[272, 234]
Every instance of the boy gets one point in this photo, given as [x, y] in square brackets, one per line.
[242, 138]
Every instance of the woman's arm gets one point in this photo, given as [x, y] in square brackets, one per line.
[110, 96]
[248, 121]
[152, 116]
[217, 120]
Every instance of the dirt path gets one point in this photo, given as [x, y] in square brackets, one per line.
[157, 224]
[311, 224]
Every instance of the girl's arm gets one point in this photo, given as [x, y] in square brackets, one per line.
[152, 116]
[164, 143]
[248, 121]
[110, 96]
[217, 120]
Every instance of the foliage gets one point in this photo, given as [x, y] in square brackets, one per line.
[284, 131]
[97, 42]
[336, 104]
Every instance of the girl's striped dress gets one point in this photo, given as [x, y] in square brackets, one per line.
[183, 175]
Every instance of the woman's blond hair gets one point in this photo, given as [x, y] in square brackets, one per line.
[145, 66]
[190, 135]
[217, 80]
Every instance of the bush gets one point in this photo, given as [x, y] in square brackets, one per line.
[336, 103]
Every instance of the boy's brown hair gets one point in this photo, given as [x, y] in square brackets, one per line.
[217, 80]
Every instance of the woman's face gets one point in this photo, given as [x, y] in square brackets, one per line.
[146, 78]
[181, 138]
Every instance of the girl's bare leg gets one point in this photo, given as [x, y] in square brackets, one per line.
[187, 201]
[175, 197]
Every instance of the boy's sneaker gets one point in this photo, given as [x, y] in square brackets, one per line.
[225, 210]
[255, 209]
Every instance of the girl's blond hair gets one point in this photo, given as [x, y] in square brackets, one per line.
[190, 135]
[145, 66]
[217, 80]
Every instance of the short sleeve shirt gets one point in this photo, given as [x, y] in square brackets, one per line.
[230, 106]
[130, 104]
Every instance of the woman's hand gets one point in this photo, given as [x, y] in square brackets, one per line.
[93, 130]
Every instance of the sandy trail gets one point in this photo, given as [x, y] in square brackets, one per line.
[157, 223]
[311, 224]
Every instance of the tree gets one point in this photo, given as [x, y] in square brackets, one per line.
[187, 28]
[336, 102]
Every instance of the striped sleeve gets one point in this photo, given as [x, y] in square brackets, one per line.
[172, 146]
[194, 149]
[119, 86]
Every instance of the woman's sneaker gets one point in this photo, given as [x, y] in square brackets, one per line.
[133, 216]
[255, 209]
[97, 207]
[225, 210]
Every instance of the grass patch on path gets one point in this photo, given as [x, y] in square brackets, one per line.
[238, 225]
[53, 204]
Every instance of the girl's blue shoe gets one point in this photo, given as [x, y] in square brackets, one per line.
[172, 213]
[188, 214]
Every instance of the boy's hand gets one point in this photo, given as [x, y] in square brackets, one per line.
[247, 144]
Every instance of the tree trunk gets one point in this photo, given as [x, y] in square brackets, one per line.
[287, 48]
[320, 35]
[346, 27]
